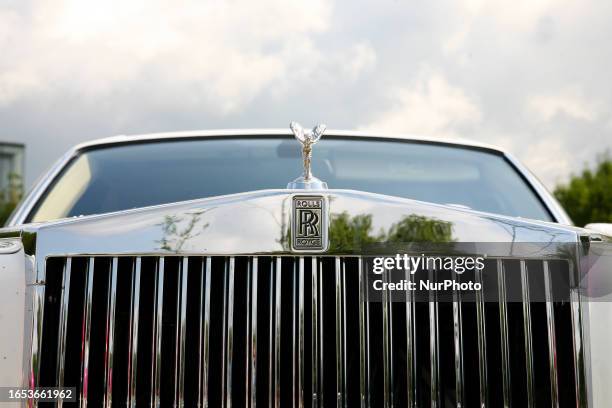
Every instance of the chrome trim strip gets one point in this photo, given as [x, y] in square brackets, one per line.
[410, 347]
[503, 327]
[482, 351]
[385, 339]
[134, 315]
[552, 340]
[87, 305]
[314, 324]
[63, 319]
[32, 198]
[549, 200]
[458, 346]
[253, 359]
[301, 333]
[528, 335]
[229, 339]
[277, 333]
[362, 336]
[276, 132]
[110, 334]
[183, 328]
[157, 335]
[434, 345]
[205, 341]
[340, 391]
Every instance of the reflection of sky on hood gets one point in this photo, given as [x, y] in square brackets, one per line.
[518, 75]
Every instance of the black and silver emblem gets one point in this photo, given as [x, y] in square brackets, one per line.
[309, 223]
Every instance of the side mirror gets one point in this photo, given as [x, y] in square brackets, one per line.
[602, 228]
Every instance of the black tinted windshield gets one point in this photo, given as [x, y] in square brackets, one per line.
[136, 175]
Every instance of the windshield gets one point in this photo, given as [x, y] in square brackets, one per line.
[136, 175]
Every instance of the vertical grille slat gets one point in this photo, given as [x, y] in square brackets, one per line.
[248, 338]
[503, 324]
[206, 329]
[86, 332]
[134, 317]
[229, 333]
[340, 390]
[295, 360]
[482, 352]
[253, 341]
[410, 347]
[301, 334]
[183, 332]
[110, 335]
[157, 333]
[177, 335]
[362, 335]
[458, 348]
[577, 324]
[385, 347]
[314, 326]
[61, 349]
[276, 331]
[321, 379]
[434, 346]
[528, 335]
[552, 342]
[271, 331]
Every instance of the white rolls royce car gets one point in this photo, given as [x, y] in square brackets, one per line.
[182, 269]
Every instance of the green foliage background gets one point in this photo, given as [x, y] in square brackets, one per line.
[10, 196]
[587, 197]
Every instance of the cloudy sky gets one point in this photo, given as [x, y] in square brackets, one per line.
[530, 75]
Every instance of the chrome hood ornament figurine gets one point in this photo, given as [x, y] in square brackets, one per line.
[307, 138]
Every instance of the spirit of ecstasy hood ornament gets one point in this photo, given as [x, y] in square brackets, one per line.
[307, 138]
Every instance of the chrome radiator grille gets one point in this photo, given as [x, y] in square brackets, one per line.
[292, 331]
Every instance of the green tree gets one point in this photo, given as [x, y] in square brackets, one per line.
[10, 196]
[588, 196]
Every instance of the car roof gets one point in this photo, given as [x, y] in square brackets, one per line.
[194, 134]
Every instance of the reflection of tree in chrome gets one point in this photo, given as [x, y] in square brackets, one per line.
[417, 228]
[178, 230]
[346, 232]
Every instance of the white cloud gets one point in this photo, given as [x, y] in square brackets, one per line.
[228, 51]
[431, 106]
[551, 159]
[569, 102]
